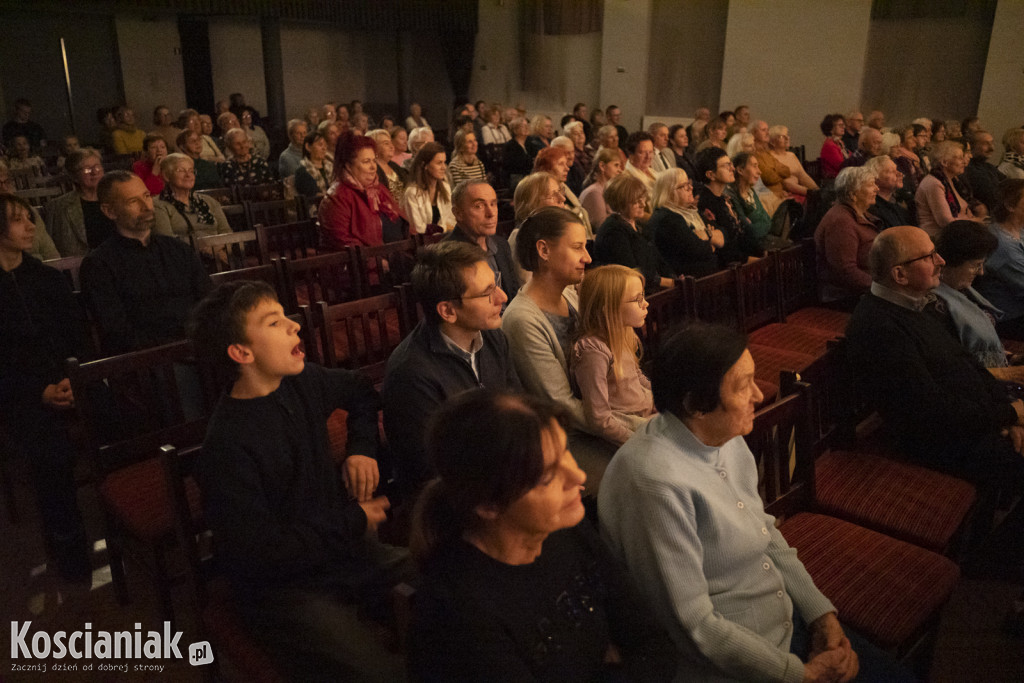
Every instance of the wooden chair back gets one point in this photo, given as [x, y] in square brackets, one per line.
[666, 311]
[26, 178]
[326, 277]
[225, 196]
[783, 449]
[70, 267]
[268, 272]
[260, 193]
[758, 293]
[716, 298]
[236, 215]
[230, 251]
[293, 241]
[38, 196]
[383, 267]
[795, 272]
[271, 212]
[361, 334]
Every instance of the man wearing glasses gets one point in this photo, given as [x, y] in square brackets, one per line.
[948, 411]
[458, 346]
[475, 206]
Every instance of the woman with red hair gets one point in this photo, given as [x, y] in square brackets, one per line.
[357, 208]
[557, 161]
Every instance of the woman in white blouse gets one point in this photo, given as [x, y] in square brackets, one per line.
[428, 198]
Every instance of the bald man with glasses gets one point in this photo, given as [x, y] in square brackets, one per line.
[948, 412]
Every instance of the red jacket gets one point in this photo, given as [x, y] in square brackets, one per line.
[154, 181]
[346, 218]
[831, 157]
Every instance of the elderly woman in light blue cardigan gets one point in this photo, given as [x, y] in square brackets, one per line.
[679, 505]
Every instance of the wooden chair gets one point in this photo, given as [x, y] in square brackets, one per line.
[268, 272]
[716, 298]
[666, 311]
[230, 251]
[260, 193]
[128, 406]
[326, 277]
[270, 212]
[889, 590]
[383, 267]
[225, 196]
[288, 240]
[38, 196]
[70, 266]
[309, 207]
[237, 216]
[425, 240]
[27, 178]
[361, 334]
[216, 617]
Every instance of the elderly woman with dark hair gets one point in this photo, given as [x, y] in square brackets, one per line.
[243, 167]
[1003, 283]
[833, 151]
[358, 209]
[191, 143]
[640, 148]
[750, 212]
[154, 149]
[620, 241]
[844, 237]
[504, 546]
[970, 317]
[315, 171]
[937, 199]
[680, 506]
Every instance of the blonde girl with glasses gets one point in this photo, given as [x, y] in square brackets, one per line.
[605, 361]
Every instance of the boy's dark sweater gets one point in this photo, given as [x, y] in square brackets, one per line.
[271, 492]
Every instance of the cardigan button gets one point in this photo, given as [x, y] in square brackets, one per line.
[766, 566]
[780, 594]
[723, 475]
[739, 505]
[764, 530]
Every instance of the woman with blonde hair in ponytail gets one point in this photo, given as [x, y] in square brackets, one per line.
[491, 605]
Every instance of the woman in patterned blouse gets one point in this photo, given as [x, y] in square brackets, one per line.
[389, 174]
[313, 176]
[243, 168]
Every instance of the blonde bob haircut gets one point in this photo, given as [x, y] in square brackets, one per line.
[665, 186]
[601, 313]
[530, 193]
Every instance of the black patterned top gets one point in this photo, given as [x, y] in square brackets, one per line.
[252, 172]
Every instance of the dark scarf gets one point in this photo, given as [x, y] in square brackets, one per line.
[195, 205]
[947, 187]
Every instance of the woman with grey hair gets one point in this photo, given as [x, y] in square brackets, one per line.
[844, 237]
[937, 199]
[179, 211]
[244, 167]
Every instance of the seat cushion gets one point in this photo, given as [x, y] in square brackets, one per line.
[884, 588]
[232, 640]
[809, 340]
[770, 361]
[904, 501]
[137, 497]
[820, 319]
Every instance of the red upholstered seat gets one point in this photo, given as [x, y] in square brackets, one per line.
[1013, 346]
[820, 318]
[884, 588]
[770, 361]
[904, 501]
[807, 340]
[233, 641]
[137, 495]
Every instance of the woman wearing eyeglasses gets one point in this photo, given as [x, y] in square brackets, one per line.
[605, 359]
[620, 241]
[845, 235]
[682, 238]
[76, 222]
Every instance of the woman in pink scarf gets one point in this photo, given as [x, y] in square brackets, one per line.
[357, 209]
